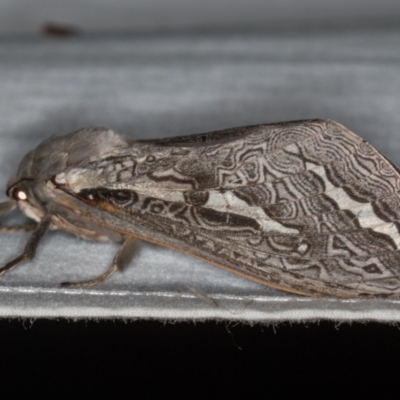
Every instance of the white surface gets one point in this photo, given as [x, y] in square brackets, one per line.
[172, 85]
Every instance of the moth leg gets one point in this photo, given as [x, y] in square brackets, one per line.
[5, 208]
[18, 228]
[31, 246]
[121, 260]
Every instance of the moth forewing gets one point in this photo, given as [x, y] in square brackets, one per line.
[304, 206]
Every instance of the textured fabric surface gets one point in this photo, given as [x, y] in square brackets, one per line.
[26, 17]
[155, 86]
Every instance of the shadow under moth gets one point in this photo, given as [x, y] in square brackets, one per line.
[306, 206]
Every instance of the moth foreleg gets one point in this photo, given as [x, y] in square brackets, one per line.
[31, 246]
[5, 208]
[18, 228]
[121, 260]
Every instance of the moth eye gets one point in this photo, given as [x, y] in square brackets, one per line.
[19, 194]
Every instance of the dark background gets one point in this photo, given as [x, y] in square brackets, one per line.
[152, 359]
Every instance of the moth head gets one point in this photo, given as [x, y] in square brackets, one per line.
[27, 188]
[22, 188]
[21, 194]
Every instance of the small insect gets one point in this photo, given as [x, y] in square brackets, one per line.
[306, 206]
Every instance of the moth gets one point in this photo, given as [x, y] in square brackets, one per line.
[306, 206]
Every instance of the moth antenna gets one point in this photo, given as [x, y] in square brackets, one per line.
[7, 206]
[31, 246]
[124, 256]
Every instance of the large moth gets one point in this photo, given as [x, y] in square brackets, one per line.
[306, 206]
